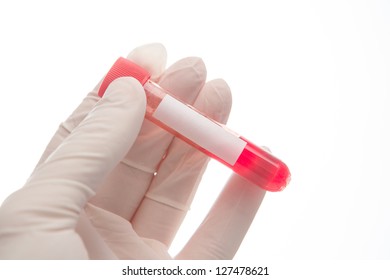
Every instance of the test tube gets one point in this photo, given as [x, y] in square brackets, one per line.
[212, 138]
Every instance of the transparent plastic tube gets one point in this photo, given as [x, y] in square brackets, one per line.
[212, 138]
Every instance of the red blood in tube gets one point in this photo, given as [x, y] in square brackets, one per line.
[262, 168]
[255, 164]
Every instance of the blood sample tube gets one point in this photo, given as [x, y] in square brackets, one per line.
[212, 138]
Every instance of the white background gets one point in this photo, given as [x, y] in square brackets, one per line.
[310, 79]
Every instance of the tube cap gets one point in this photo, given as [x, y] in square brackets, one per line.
[123, 68]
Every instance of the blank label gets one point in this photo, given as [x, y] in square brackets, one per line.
[199, 129]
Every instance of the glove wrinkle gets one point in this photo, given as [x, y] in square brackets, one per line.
[120, 236]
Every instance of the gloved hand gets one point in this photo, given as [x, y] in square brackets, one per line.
[112, 185]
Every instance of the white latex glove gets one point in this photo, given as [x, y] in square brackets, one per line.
[112, 185]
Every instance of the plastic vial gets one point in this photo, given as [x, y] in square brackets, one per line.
[210, 137]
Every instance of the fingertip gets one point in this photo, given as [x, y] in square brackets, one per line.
[191, 67]
[266, 148]
[126, 89]
[128, 97]
[223, 93]
[185, 78]
[152, 57]
[215, 100]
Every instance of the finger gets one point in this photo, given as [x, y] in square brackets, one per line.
[152, 57]
[172, 190]
[67, 126]
[124, 189]
[121, 238]
[59, 188]
[224, 228]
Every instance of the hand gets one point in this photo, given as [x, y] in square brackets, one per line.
[112, 185]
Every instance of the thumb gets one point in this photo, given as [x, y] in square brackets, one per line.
[60, 187]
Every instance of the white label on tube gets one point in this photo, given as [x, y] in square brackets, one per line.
[199, 129]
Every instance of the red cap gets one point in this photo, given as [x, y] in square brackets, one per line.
[123, 68]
